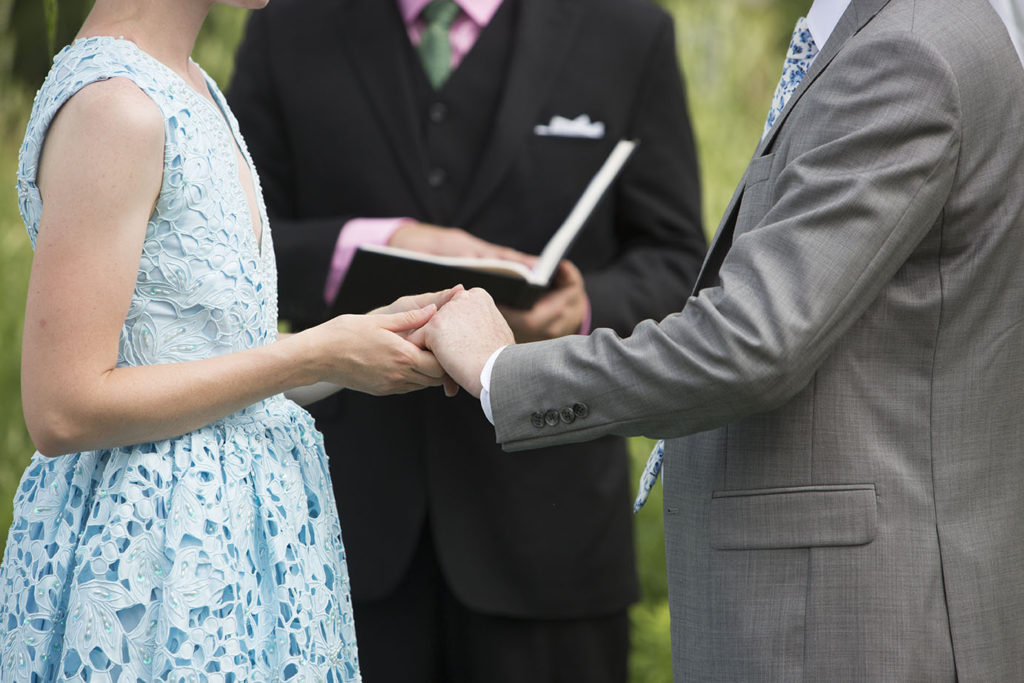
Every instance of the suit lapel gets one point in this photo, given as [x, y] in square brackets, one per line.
[543, 35]
[859, 13]
[377, 58]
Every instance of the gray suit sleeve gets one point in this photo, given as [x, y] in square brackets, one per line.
[861, 172]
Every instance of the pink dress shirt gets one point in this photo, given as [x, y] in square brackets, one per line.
[475, 16]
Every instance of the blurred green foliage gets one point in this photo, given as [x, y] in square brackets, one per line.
[731, 54]
[50, 14]
[15, 256]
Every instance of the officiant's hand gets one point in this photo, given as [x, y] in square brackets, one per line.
[557, 313]
[464, 334]
[434, 239]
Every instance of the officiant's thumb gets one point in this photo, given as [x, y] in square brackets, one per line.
[408, 320]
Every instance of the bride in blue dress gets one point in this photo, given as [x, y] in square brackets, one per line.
[178, 522]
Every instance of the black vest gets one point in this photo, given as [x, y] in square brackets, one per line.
[455, 122]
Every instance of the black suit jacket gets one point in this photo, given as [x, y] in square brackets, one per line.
[321, 93]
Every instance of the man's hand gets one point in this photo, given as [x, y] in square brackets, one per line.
[464, 334]
[557, 313]
[433, 239]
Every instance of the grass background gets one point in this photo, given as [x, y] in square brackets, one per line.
[731, 54]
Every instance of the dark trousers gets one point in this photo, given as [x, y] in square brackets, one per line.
[422, 634]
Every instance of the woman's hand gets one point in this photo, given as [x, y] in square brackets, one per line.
[369, 353]
[417, 301]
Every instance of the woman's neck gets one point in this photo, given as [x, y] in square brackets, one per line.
[166, 30]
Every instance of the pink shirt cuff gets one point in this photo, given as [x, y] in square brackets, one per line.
[587, 319]
[355, 233]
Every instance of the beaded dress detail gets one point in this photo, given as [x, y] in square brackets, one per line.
[215, 556]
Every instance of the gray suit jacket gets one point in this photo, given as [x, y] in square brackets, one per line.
[843, 393]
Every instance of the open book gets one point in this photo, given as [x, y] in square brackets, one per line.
[378, 274]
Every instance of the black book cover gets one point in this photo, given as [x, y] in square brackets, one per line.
[379, 275]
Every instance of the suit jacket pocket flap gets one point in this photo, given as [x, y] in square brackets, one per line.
[798, 517]
[759, 169]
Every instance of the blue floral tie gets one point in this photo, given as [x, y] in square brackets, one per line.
[802, 52]
[650, 475]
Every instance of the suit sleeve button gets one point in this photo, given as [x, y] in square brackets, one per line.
[551, 418]
[567, 415]
[581, 409]
[537, 420]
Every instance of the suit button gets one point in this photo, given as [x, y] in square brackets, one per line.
[436, 177]
[581, 409]
[567, 414]
[551, 418]
[537, 420]
[438, 112]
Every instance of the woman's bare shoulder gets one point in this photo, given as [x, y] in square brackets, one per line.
[107, 138]
[115, 106]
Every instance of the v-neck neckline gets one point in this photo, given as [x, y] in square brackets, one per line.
[220, 107]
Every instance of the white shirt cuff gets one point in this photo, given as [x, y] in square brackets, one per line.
[485, 385]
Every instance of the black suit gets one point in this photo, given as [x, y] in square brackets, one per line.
[340, 123]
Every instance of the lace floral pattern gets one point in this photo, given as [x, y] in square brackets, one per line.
[215, 556]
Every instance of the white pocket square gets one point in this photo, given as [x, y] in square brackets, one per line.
[579, 127]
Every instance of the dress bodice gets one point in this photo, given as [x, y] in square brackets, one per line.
[205, 287]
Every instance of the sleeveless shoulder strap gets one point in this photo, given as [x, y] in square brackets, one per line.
[76, 66]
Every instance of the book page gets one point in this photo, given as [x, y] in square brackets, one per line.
[556, 248]
[563, 238]
[490, 265]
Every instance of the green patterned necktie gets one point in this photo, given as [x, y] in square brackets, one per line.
[434, 49]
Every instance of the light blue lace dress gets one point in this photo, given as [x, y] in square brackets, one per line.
[215, 556]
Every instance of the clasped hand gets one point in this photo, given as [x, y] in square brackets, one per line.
[445, 338]
[441, 338]
[469, 328]
[396, 349]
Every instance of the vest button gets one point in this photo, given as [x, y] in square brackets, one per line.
[436, 177]
[438, 112]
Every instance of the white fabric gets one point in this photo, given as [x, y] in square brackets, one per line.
[485, 385]
[1012, 14]
[823, 17]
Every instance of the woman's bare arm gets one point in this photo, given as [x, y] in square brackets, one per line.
[99, 176]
